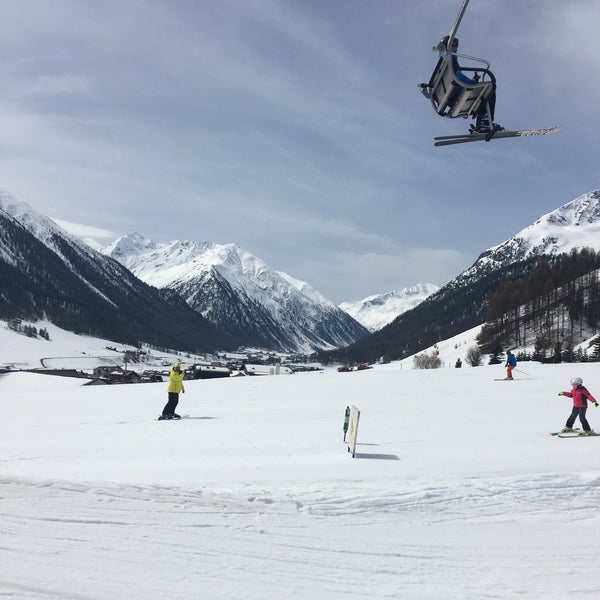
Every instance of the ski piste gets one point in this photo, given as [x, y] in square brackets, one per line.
[447, 140]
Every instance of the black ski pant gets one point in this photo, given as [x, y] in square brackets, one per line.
[578, 412]
[170, 406]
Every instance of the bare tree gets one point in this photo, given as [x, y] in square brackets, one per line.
[427, 361]
[474, 356]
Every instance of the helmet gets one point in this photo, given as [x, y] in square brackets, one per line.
[576, 381]
[446, 39]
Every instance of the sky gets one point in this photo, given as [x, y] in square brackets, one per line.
[295, 128]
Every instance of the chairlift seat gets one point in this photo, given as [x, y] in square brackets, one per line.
[452, 97]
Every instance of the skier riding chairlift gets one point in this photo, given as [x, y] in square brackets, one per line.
[454, 95]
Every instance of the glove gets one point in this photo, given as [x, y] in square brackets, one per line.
[596, 404]
[561, 393]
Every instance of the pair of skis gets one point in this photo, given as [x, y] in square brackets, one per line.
[576, 433]
[448, 140]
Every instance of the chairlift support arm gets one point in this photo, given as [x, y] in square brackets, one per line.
[459, 18]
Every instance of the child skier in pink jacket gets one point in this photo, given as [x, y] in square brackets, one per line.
[580, 397]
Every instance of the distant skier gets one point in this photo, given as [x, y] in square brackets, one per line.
[511, 363]
[176, 376]
[580, 397]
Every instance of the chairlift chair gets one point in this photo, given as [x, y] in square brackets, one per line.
[452, 97]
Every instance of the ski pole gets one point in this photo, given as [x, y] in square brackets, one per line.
[528, 375]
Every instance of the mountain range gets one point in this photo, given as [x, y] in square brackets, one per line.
[573, 225]
[48, 274]
[377, 311]
[240, 294]
[461, 304]
[220, 296]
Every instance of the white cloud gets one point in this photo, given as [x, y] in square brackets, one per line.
[294, 130]
[58, 85]
[347, 276]
[86, 231]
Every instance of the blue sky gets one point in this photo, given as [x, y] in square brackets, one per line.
[295, 127]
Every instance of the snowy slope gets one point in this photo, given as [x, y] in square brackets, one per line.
[240, 293]
[375, 312]
[162, 265]
[574, 225]
[461, 303]
[47, 273]
[47, 232]
[254, 496]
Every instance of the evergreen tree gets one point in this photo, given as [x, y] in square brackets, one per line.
[496, 354]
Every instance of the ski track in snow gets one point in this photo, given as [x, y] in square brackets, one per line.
[164, 542]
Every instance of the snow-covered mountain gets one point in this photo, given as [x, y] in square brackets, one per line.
[375, 312]
[239, 292]
[573, 225]
[46, 273]
[461, 304]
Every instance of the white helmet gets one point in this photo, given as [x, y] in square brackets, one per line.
[576, 381]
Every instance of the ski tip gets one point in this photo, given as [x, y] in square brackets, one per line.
[545, 131]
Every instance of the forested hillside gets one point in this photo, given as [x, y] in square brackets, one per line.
[552, 310]
[458, 306]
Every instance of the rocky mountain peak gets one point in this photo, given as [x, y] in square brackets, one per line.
[240, 293]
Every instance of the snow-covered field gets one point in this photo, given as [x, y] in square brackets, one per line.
[456, 492]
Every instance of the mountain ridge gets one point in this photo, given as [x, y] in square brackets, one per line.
[240, 293]
[49, 274]
[378, 310]
[460, 304]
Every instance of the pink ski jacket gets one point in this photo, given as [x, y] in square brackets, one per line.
[579, 395]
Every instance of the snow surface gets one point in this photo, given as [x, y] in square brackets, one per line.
[162, 265]
[573, 225]
[457, 490]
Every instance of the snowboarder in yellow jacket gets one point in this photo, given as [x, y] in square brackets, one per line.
[176, 376]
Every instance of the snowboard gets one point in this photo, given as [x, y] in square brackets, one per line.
[447, 140]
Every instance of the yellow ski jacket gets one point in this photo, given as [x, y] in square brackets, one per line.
[176, 382]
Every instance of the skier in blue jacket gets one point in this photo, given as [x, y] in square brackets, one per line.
[511, 363]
